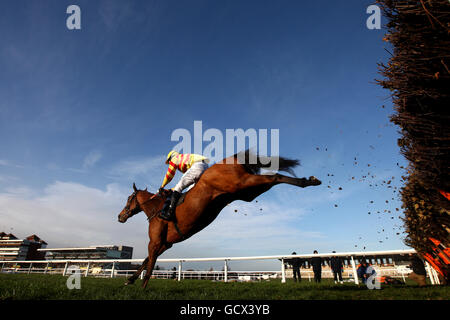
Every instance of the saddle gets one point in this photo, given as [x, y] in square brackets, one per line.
[168, 195]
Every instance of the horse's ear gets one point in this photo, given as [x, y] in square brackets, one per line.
[134, 187]
[146, 189]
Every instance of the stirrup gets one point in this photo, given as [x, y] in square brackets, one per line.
[165, 215]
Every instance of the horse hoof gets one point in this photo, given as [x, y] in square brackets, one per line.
[314, 181]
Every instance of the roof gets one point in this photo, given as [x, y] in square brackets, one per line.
[9, 235]
[35, 238]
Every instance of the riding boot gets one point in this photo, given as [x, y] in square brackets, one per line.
[167, 215]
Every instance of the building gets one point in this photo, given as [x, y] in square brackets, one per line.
[12, 248]
[91, 253]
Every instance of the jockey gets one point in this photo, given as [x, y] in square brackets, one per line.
[192, 165]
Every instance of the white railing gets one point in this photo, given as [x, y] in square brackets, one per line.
[225, 275]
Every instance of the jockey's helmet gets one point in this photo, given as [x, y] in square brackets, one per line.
[170, 155]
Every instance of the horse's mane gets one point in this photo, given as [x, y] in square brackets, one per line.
[284, 164]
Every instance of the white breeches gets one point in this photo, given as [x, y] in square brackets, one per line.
[191, 176]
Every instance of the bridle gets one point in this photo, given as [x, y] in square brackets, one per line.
[127, 214]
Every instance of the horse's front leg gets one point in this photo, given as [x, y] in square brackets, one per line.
[155, 249]
[157, 231]
[136, 275]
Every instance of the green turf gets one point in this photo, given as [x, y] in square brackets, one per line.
[19, 286]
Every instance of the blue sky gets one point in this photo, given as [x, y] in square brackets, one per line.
[85, 113]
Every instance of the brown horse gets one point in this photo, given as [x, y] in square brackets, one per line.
[219, 185]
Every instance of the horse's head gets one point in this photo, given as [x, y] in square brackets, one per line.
[132, 207]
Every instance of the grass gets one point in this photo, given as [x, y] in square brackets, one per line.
[53, 287]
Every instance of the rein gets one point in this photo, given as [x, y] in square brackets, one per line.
[154, 213]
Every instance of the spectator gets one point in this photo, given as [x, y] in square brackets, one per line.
[419, 275]
[296, 264]
[362, 271]
[336, 267]
[316, 263]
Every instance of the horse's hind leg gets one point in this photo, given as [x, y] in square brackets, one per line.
[136, 275]
[254, 185]
[299, 182]
[271, 180]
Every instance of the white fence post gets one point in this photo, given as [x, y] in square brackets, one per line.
[403, 276]
[65, 268]
[225, 272]
[112, 269]
[180, 265]
[29, 268]
[3, 265]
[283, 272]
[355, 275]
[46, 268]
[87, 269]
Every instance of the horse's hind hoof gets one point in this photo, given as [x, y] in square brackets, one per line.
[314, 181]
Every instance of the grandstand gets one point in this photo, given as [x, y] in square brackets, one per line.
[98, 252]
[12, 248]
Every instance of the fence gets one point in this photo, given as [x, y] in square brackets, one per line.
[46, 267]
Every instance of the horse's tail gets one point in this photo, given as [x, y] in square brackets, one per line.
[253, 163]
